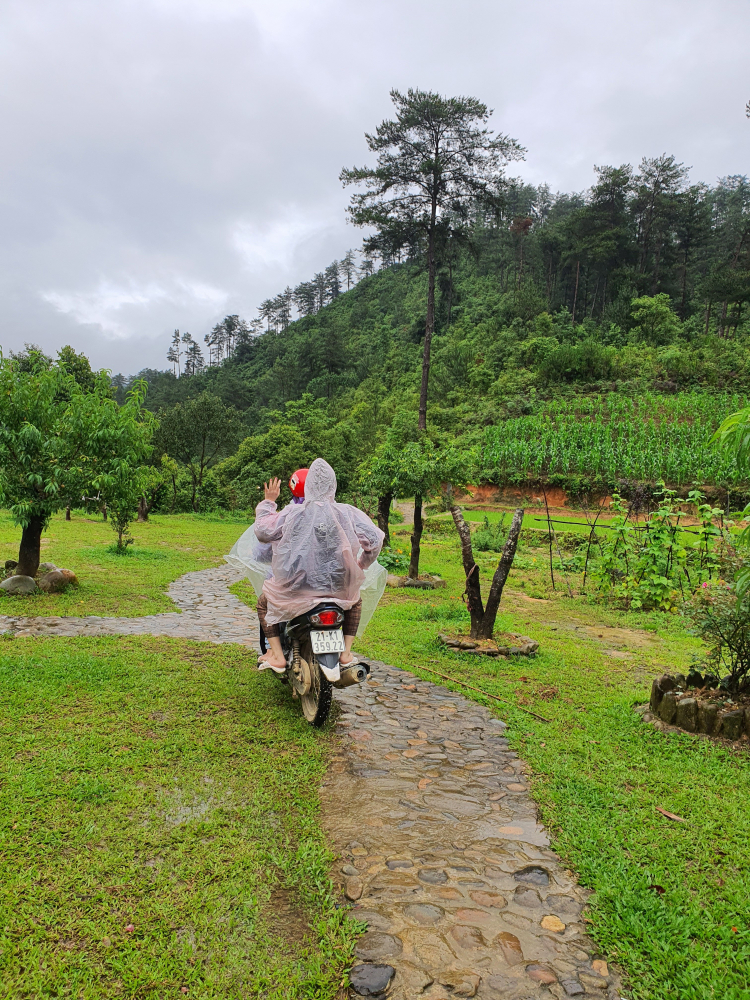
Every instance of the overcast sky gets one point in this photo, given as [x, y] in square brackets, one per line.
[166, 162]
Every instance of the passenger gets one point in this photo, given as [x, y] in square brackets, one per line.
[320, 551]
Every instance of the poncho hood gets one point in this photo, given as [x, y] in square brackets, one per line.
[320, 484]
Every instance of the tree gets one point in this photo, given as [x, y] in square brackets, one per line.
[654, 321]
[198, 433]
[174, 353]
[55, 436]
[483, 617]
[121, 490]
[436, 161]
[348, 268]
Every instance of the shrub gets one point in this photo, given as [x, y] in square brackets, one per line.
[394, 560]
[723, 622]
[489, 539]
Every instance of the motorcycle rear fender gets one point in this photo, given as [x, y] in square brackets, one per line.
[329, 664]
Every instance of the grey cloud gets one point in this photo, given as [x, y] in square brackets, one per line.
[165, 162]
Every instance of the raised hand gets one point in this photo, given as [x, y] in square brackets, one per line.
[272, 489]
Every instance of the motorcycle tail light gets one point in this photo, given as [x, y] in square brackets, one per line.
[327, 618]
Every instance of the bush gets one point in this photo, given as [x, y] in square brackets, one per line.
[394, 560]
[723, 622]
[489, 539]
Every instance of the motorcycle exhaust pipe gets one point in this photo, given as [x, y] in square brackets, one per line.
[353, 675]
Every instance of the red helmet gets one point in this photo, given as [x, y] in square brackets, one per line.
[297, 483]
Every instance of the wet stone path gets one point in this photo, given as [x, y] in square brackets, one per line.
[443, 857]
[429, 810]
[209, 613]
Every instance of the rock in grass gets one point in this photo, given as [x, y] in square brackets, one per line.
[708, 718]
[732, 724]
[668, 707]
[659, 688]
[45, 567]
[19, 585]
[10, 564]
[695, 679]
[686, 716]
[53, 582]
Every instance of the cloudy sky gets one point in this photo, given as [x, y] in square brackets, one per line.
[166, 162]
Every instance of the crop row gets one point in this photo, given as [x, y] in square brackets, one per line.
[644, 438]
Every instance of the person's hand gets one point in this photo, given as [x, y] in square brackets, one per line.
[272, 489]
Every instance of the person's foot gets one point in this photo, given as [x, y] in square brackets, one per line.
[346, 659]
[269, 661]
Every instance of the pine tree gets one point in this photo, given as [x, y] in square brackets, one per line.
[436, 161]
[174, 353]
[348, 267]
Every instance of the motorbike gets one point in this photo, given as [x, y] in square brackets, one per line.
[312, 644]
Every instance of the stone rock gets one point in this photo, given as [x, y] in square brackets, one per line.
[600, 967]
[711, 681]
[659, 688]
[374, 945]
[668, 707]
[533, 874]
[552, 923]
[468, 937]
[681, 681]
[368, 980]
[732, 724]
[414, 979]
[349, 870]
[46, 567]
[53, 582]
[572, 987]
[70, 576]
[565, 905]
[423, 913]
[510, 947]
[395, 863]
[694, 679]
[463, 984]
[526, 896]
[541, 974]
[10, 564]
[708, 718]
[19, 585]
[595, 982]
[353, 888]
[491, 899]
[432, 876]
[686, 716]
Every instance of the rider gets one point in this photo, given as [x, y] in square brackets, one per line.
[321, 550]
[263, 553]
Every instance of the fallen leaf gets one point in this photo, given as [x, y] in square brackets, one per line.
[669, 815]
[129, 929]
[658, 889]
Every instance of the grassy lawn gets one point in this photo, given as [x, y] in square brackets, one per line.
[166, 546]
[670, 899]
[158, 827]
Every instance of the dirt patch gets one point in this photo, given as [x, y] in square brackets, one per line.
[617, 637]
[285, 918]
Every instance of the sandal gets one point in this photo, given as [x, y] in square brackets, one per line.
[263, 664]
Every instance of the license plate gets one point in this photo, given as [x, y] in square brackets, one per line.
[330, 641]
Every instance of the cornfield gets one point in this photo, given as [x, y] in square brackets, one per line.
[645, 438]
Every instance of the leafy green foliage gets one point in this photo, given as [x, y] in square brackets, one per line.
[394, 559]
[722, 620]
[490, 538]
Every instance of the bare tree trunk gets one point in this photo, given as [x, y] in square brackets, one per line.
[416, 538]
[104, 511]
[723, 320]
[501, 575]
[29, 552]
[142, 509]
[384, 512]
[67, 513]
[473, 591]
[429, 323]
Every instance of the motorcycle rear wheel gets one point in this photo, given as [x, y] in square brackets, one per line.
[316, 704]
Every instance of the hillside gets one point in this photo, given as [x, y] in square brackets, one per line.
[570, 321]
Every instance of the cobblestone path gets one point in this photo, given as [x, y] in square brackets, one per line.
[430, 811]
[442, 852]
[209, 613]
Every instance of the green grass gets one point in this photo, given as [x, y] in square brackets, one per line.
[166, 786]
[599, 772]
[166, 546]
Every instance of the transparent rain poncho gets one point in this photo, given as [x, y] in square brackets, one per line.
[322, 550]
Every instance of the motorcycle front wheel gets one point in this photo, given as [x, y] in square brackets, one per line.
[316, 704]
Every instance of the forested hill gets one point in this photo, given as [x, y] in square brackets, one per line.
[639, 287]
